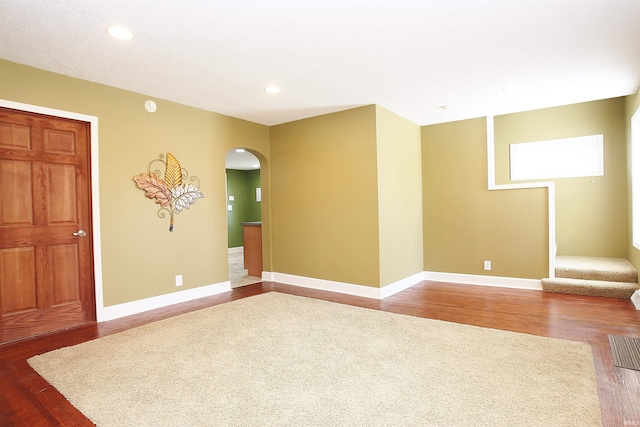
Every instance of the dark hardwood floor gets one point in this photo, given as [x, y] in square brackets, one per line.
[27, 400]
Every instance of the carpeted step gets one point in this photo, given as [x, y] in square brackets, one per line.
[598, 288]
[596, 268]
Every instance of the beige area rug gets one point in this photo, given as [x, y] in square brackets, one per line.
[283, 360]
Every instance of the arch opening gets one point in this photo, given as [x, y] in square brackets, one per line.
[244, 216]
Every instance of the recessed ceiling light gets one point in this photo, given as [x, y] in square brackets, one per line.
[150, 106]
[120, 33]
[272, 89]
[240, 150]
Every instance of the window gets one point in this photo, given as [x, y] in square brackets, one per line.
[635, 178]
[559, 158]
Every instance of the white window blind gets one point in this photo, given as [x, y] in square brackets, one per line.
[558, 158]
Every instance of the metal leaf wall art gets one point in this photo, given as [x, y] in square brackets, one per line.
[169, 191]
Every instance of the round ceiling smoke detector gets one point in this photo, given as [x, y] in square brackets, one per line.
[150, 106]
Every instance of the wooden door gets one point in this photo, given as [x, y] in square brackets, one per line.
[46, 266]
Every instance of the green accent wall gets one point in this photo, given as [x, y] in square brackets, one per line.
[242, 184]
[255, 207]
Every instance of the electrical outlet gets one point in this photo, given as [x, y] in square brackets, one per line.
[487, 265]
[179, 280]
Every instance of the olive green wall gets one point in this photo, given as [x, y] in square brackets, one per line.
[140, 257]
[324, 197]
[632, 103]
[255, 207]
[399, 197]
[464, 222]
[241, 184]
[591, 213]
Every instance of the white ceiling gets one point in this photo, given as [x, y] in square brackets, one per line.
[242, 161]
[409, 56]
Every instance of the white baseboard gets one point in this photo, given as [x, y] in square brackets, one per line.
[134, 307]
[473, 279]
[325, 285]
[236, 249]
[344, 288]
[401, 285]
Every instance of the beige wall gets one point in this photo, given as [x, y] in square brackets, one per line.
[140, 257]
[591, 213]
[399, 196]
[632, 103]
[343, 198]
[324, 194]
[464, 223]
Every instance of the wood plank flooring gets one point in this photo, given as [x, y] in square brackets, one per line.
[27, 400]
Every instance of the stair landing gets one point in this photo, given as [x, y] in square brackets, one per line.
[594, 276]
[596, 268]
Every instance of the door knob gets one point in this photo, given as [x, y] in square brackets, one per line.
[80, 233]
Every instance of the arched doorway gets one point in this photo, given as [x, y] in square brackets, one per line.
[244, 217]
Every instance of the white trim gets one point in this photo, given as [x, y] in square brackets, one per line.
[635, 168]
[236, 250]
[491, 154]
[95, 186]
[326, 285]
[152, 303]
[550, 186]
[401, 285]
[474, 279]
[344, 288]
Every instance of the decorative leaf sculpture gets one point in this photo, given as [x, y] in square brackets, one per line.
[185, 196]
[155, 188]
[169, 192]
[173, 173]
